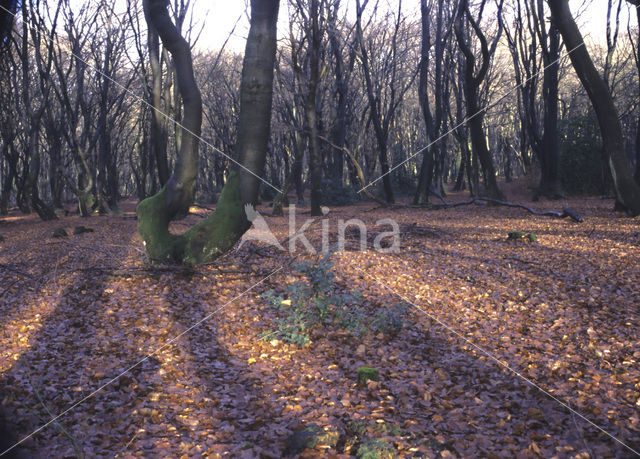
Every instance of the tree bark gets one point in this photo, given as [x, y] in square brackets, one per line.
[315, 154]
[339, 131]
[549, 155]
[421, 195]
[636, 3]
[472, 82]
[627, 190]
[158, 131]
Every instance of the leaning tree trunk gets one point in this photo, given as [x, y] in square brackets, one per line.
[627, 191]
[217, 234]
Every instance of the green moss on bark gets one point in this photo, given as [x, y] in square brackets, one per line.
[153, 226]
[214, 236]
[203, 242]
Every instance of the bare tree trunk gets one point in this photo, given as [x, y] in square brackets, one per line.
[421, 195]
[627, 190]
[33, 116]
[158, 131]
[549, 155]
[339, 134]
[472, 83]
[636, 3]
[315, 154]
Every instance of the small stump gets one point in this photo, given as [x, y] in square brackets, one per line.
[60, 232]
[82, 229]
[308, 438]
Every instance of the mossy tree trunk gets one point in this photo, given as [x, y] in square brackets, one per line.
[217, 234]
[627, 191]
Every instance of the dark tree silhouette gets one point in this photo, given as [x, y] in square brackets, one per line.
[627, 191]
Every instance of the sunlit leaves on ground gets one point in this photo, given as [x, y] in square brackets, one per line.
[562, 311]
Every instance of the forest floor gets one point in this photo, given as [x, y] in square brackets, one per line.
[562, 312]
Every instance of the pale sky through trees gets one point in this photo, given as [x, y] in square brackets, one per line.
[222, 15]
[219, 17]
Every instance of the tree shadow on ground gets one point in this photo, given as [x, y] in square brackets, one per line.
[189, 397]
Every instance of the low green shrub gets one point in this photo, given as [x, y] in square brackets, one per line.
[314, 303]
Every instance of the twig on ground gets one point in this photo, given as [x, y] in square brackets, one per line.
[76, 447]
[8, 288]
[17, 271]
[520, 260]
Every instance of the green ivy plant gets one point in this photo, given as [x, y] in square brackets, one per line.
[314, 303]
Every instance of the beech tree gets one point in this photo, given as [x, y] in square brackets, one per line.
[627, 190]
[549, 154]
[435, 119]
[212, 237]
[383, 106]
[636, 4]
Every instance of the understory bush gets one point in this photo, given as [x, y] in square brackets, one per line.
[314, 303]
[581, 163]
[335, 194]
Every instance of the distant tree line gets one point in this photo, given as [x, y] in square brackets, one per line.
[448, 95]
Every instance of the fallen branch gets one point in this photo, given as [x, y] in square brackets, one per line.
[566, 212]
[9, 287]
[17, 271]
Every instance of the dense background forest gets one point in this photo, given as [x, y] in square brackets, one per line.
[82, 83]
[156, 302]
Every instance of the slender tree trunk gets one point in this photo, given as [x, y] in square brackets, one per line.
[460, 176]
[315, 154]
[55, 159]
[44, 211]
[11, 160]
[627, 190]
[381, 129]
[550, 157]
[293, 174]
[421, 195]
[158, 130]
[637, 174]
[339, 134]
